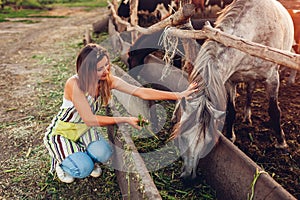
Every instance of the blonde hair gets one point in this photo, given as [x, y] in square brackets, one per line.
[86, 67]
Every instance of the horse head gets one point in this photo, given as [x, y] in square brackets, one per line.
[201, 117]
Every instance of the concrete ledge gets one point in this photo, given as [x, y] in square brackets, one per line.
[133, 177]
[231, 172]
[226, 168]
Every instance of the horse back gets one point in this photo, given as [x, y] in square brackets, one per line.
[266, 22]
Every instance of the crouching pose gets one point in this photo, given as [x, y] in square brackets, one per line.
[74, 144]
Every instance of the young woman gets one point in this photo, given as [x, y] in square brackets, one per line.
[72, 140]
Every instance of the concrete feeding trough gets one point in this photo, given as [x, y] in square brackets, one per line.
[227, 169]
[231, 173]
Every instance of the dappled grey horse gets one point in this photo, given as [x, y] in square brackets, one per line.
[218, 69]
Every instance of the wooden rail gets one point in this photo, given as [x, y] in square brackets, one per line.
[133, 177]
[285, 58]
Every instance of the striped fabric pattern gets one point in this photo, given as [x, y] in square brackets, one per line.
[60, 147]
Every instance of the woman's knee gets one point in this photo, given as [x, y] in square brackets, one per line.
[99, 151]
[78, 165]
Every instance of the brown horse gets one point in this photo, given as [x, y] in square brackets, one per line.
[218, 69]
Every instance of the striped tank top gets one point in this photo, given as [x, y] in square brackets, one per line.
[69, 114]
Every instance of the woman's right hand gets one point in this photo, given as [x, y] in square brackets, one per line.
[133, 121]
[193, 87]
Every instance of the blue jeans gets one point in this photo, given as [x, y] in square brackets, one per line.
[81, 164]
[99, 151]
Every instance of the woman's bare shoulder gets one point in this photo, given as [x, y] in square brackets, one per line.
[72, 80]
[71, 83]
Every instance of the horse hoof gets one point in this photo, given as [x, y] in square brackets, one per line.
[188, 180]
[283, 145]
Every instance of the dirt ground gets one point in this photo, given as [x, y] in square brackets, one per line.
[22, 43]
[28, 54]
[258, 143]
[21, 47]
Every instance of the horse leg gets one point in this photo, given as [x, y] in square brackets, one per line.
[274, 110]
[292, 77]
[231, 113]
[247, 109]
[293, 72]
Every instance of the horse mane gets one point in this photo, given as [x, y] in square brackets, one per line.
[206, 62]
[231, 13]
[203, 115]
[206, 72]
[204, 118]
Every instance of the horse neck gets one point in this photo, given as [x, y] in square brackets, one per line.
[207, 73]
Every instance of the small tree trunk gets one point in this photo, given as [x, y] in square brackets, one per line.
[178, 18]
[134, 17]
[120, 24]
[115, 4]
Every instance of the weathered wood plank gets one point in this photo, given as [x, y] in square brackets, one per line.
[175, 80]
[285, 58]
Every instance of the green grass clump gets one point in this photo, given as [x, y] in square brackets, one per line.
[9, 12]
[84, 3]
[36, 8]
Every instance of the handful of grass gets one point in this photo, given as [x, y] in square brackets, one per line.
[145, 125]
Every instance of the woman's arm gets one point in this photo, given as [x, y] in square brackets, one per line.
[73, 93]
[149, 93]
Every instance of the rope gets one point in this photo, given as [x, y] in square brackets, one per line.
[170, 44]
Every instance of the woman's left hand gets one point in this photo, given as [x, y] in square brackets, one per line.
[193, 87]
